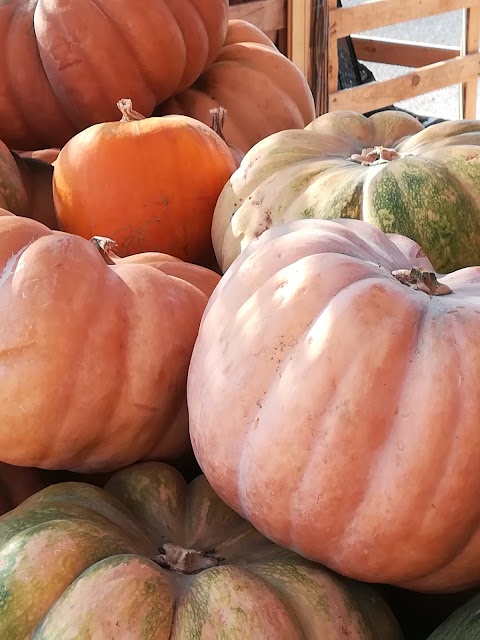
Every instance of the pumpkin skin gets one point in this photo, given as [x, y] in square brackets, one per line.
[113, 341]
[431, 193]
[332, 369]
[81, 58]
[91, 553]
[262, 90]
[167, 207]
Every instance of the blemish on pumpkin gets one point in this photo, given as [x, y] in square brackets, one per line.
[67, 65]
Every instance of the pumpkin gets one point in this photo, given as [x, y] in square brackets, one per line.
[79, 59]
[93, 356]
[262, 90]
[150, 184]
[337, 361]
[386, 170]
[150, 557]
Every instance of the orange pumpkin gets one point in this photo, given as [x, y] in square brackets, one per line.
[351, 388]
[150, 184]
[262, 90]
[79, 58]
[93, 356]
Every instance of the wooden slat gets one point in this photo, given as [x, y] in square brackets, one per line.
[380, 13]
[332, 50]
[470, 43]
[267, 15]
[376, 95]
[299, 24]
[401, 52]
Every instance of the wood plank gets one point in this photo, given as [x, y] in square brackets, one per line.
[380, 13]
[332, 50]
[267, 15]
[376, 95]
[401, 52]
[470, 44]
[299, 24]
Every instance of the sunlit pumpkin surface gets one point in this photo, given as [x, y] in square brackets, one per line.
[333, 399]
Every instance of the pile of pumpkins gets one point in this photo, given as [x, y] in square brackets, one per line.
[238, 344]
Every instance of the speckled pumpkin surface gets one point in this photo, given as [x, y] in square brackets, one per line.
[386, 170]
[152, 559]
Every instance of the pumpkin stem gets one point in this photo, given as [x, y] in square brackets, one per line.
[106, 248]
[375, 155]
[187, 561]
[128, 112]
[218, 120]
[422, 280]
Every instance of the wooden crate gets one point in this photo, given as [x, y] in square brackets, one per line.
[435, 67]
[308, 32]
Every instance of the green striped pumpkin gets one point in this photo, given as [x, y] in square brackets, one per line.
[80, 562]
[423, 183]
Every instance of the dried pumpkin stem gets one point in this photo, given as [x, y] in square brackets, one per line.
[128, 112]
[218, 120]
[187, 561]
[106, 248]
[422, 280]
[376, 155]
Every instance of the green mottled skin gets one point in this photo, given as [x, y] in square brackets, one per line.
[76, 561]
[463, 624]
[429, 205]
[431, 194]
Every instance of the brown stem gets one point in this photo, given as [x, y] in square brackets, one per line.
[218, 120]
[422, 280]
[376, 155]
[106, 248]
[128, 112]
[188, 561]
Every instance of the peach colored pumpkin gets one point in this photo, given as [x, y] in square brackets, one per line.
[149, 558]
[262, 90]
[78, 58]
[335, 403]
[93, 357]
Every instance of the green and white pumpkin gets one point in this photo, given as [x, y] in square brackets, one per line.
[423, 183]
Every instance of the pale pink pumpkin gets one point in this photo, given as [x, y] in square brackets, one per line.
[337, 408]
